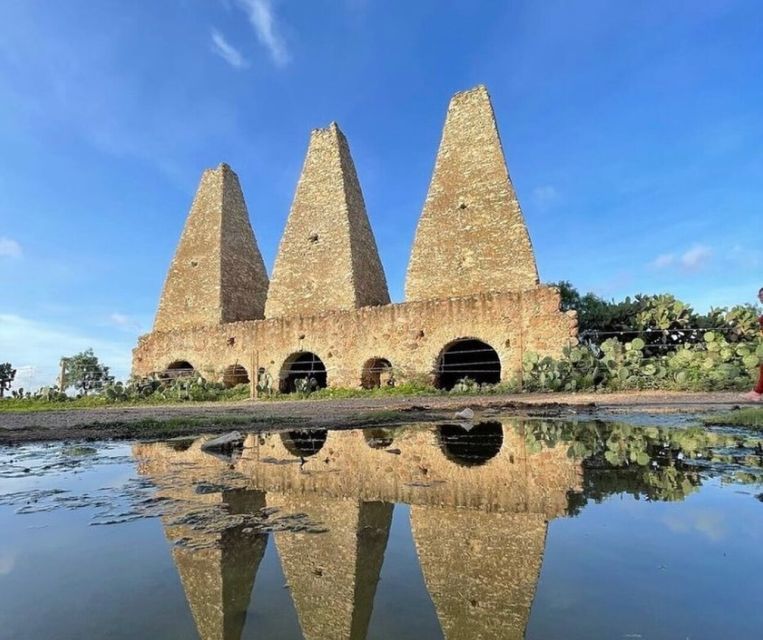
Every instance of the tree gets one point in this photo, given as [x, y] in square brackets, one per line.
[570, 297]
[7, 375]
[85, 373]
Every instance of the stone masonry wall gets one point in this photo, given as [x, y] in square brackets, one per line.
[471, 235]
[327, 259]
[410, 335]
[472, 272]
[217, 274]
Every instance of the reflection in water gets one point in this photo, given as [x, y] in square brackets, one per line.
[333, 576]
[481, 502]
[304, 443]
[379, 438]
[471, 446]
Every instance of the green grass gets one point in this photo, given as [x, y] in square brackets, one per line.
[407, 389]
[751, 417]
[28, 404]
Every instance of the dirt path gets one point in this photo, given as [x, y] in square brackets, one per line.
[163, 420]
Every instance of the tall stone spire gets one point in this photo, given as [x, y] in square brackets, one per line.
[217, 274]
[328, 258]
[471, 237]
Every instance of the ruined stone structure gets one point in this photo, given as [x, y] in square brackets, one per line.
[474, 305]
[328, 259]
[471, 236]
[480, 507]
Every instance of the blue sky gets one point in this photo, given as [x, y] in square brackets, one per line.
[633, 134]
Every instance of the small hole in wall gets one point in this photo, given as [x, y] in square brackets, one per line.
[462, 206]
[231, 341]
[194, 263]
[313, 238]
[421, 333]
[330, 355]
[507, 343]
[301, 336]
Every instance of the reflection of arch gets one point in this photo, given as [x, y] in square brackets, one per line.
[235, 375]
[302, 365]
[179, 369]
[377, 372]
[378, 438]
[304, 443]
[467, 358]
[472, 447]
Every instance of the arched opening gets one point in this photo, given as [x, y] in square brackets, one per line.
[304, 443]
[179, 369]
[235, 375]
[378, 438]
[302, 371]
[377, 372]
[467, 358]
[470, 447]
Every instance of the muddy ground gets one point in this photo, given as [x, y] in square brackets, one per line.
[187, 419]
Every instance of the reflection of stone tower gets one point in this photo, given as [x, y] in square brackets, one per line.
[481, 569]
[333, 576]
[217, 274]
[217, 569]
[218, 579]
[327, 259]
[471, 237]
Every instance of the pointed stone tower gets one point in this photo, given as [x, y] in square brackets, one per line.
[217, 274]
[328, 258]
[471, 237]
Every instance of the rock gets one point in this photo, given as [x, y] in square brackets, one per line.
[464, 414]
[227, 441]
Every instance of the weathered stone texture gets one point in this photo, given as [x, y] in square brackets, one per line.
[333, 576]
[217, 274]
[346, 467]
[479, 530]
[410, 335]
[472, 272]
[328, 258]
[471, 236]
[481, 569]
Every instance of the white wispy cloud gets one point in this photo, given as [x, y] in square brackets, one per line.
[693, 259]
[696, 257]
[35, 349]
[262, 18]
[227, 51]
[124, 322]
[663, 261]
[9, 248]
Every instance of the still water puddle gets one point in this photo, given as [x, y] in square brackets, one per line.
[503, 529]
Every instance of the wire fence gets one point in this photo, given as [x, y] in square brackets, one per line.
[468, 358]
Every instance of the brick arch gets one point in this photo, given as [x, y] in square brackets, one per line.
[302, 364]
[179, 368]
[467, 356]
[377, 372]
[235, 375]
